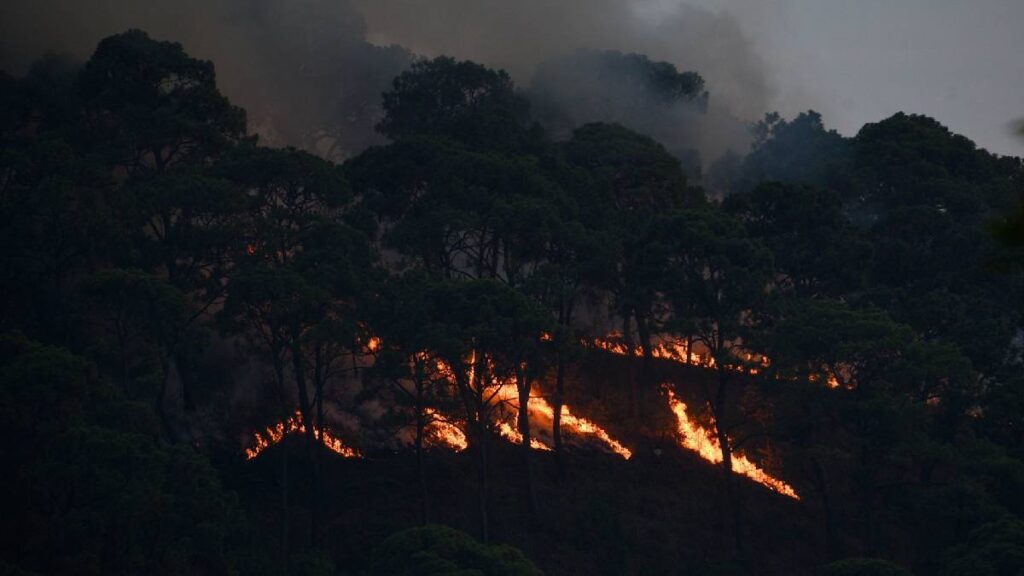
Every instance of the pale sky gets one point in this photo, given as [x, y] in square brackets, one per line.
[857, 61]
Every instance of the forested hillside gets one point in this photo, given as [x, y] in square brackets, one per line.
[528, 331]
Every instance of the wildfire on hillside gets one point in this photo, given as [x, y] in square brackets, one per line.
[692, 436]
[291, 425]
[442, 432]
[678, 351]
[506, 395]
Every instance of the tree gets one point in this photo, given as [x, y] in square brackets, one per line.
[799, 151]
[628, 183]
[100, 493]
[56, 207]
[297, 275]
[402, 319]
[455, 211]
[816, 249]
[648, 96]
[995, 548]
[715, 281]
[154, 107]
[464, 101]
[147, 318]
[895, 413]
[486, 333]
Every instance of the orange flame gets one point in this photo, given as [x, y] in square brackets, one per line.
[441, 432]
[274, 434]
[678, 351]
[507, 425]
[694, 437]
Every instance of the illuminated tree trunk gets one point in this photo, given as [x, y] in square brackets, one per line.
[472, 392]
[564, 319]
[556, 419]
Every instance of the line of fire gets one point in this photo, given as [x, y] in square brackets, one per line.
[448, 431]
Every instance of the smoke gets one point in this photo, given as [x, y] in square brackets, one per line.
[302, 69]
[310, 72]
[519, 36]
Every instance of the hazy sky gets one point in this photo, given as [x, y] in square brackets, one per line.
[857, 61]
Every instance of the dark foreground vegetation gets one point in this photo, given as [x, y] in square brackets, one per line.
[169, 286]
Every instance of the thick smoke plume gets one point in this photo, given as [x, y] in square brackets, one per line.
[521, 35]
[307, 74]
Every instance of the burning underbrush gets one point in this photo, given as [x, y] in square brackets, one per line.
[619, 433]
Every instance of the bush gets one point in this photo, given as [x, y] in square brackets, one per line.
[443, 551]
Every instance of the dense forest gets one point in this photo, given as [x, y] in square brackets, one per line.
[525, 332]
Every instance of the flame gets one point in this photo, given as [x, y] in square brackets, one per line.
[512, 434]
[373, 344]
[507, 394]
[274, 434]
[679, 351]
[441, 432]
[694, 437]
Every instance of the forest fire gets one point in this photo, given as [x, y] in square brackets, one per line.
[675, 351]
[678, 351]
[694, 437]
[444, 434]
[294, 424]
[579, 426]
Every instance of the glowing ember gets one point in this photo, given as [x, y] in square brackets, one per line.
[273, 435]
[694, 437]
[373, 344]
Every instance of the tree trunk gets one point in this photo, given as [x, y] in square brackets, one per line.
[834, 547]
[564, 319]
[556, 419]
[306, 410]
[279, 376]
[165, 423]
[644, 333]
[523, 384]
[627, 340]
[316, 511]
[421, 424]
[731, 486]
[285, 513]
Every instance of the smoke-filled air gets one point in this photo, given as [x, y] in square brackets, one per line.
[453, 287]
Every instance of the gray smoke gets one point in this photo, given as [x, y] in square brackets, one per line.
[302, 69]
[310, 72]
[522, 34]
